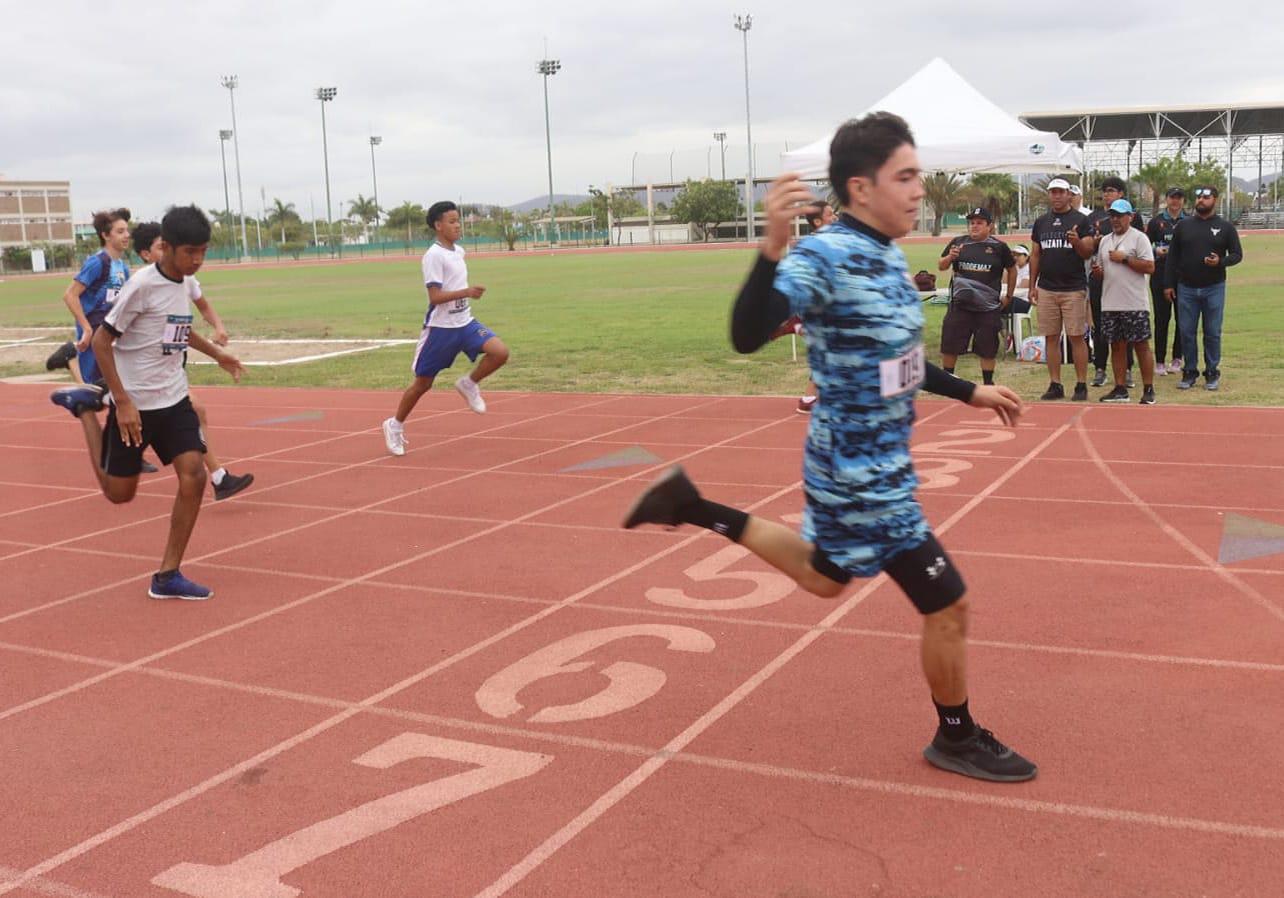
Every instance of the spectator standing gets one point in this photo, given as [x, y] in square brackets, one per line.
[1203, 246]
[1125, 257]
[1160, 231]
[1060, 243]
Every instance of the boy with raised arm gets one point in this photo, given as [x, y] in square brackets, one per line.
[851, 286]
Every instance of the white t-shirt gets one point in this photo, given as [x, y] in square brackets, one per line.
[1122, 288]
[445, 268]
[1023, 276]
[151, 320]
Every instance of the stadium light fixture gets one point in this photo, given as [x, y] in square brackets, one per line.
[546, 68]
[325, 95]
[743, 24]
[232, 82]
[721, 138]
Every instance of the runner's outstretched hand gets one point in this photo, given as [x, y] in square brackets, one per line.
[1005, 403]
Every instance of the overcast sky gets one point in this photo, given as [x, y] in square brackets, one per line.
[128, 107]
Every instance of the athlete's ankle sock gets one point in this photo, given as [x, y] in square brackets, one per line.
[728, 521]
[987, 377]
[218, 476]
[956, 722]
[949, 370]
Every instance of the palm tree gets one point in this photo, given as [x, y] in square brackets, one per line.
[1158, 176]
[995, 192]
[280, 214]
[407, 215]
[364, 210]
[942, 191]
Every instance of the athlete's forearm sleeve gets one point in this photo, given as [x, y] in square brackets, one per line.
[942, 383]
[759, 308]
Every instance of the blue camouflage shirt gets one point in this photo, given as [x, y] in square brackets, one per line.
[851, 287]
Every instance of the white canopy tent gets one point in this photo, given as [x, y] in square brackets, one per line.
[957, 129]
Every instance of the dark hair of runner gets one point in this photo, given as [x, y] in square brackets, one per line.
[816, 217]
[861, 146]
[185, 226]
[145, 235]
[104, 220]
[437, 210]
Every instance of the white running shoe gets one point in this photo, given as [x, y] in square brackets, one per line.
[1175, 366]
[471, 393]
[394, 437]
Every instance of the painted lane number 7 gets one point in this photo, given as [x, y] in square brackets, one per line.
[258, 874]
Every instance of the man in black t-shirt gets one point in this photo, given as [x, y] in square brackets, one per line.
[1112, 188]
[1060, 243]
[978, 296]
[1160, 231]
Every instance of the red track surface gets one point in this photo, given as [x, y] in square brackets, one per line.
[452, 674]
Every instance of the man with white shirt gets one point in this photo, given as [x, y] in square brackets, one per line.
[1124, 257]
[140, 348]
[449, 327]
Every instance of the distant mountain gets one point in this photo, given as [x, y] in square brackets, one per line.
[541, 202]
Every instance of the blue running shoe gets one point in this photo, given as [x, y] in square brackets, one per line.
[78, 399]
[173, 585]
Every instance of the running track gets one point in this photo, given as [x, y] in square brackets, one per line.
[452, 674]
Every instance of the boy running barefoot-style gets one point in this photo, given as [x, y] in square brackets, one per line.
[149, 247]
[140, 350]
[449, 327]
[851, 286]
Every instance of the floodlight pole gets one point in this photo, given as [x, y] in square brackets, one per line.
[231, 82]
[633, 170]
[224, 135]
[546, 68]
[325, 95]
[743, 24]
[374, 177]
[721, 138]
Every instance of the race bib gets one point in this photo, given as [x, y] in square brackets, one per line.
[112, 294]
[903, 374]
[178, 329]
[459, 305]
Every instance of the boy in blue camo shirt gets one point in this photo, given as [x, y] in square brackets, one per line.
[851, 286]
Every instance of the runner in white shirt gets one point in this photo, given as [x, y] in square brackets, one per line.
[449, 327]
[149, 247]
[140, 349]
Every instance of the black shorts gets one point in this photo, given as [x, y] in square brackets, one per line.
[924, 573]
[961, 327]
[170, 431]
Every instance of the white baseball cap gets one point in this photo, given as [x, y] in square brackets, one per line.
[1074, 188]
[1061, 183]
[1022, 249]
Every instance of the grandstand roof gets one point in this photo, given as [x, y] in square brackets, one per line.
[1161, 122]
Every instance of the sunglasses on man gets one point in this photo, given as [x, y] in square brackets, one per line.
[1204, 192]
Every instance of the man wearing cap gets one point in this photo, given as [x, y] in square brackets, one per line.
[980, 293]
[1125, 257]
[1061, 241]
[1076, 198]
[1203, 246]
[1112, 188]
[1160, 232]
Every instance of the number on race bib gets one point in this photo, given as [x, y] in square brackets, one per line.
[900, 375]
[178, 330]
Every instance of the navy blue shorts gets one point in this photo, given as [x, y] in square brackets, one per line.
[438, 346]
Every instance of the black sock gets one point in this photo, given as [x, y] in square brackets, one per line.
[1081, 385]
[728, 521]
[956, 722]
[987, 377]
[949, 370]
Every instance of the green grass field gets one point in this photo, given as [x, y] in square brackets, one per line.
[628, 322]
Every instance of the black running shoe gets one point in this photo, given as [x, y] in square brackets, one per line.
[663, 501]
[1148, 396]
[231, 485]
[1118, 394]
[980, 756]
[1054, 391]
[1080, 393]
[1099, 377]
[61, 357]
